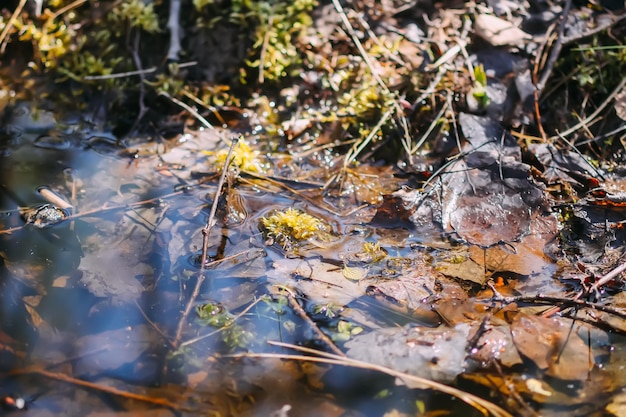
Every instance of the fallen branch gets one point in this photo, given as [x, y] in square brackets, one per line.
[556, 49]
[320, 335]
[98, 387]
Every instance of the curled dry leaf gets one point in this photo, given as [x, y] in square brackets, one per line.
[499, 32]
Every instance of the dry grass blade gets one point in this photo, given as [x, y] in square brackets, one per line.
[593, 115]
[358, 147]
[189, 109]
[480, 404]
[406, 140]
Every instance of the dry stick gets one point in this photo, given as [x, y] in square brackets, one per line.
[10, 24]
[153, 324]
[358, 147]
[98, 387]
[513, 392]
[300, 311]
[304, 196]
[556, 49]
[569, 302]
[102, 210]
[199, 102]
[432, 126]
[67, 8]
[480, 404]
[132, 73]
[608, 277]
[601, 28]
[394, 56]
[206, 230]
[586, 122]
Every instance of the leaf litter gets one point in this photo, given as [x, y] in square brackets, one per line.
[441, 269]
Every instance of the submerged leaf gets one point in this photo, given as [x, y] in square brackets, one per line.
[488, 196]
[319, 281]
[354, 273]
[437, 354]
[551, 346]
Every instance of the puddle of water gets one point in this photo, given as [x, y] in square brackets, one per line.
[102, 296]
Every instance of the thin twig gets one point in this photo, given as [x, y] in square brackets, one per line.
[607, 25]
[194, 113]
[556, 49]
[432, 126]
[593, 115]
[10, 24]
[565, 302]
[102, 210]
[67, 8]
[206, 230]
[97, 387]
[221, 329]
[300, 311]
[311, 200]
[153, 324]
[211, 220]
[358, 147]
[133, 73]
[614, 273]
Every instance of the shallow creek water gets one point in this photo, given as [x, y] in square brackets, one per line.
[103, 298]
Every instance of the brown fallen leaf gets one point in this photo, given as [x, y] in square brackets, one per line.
[497, 343]
[549, 343]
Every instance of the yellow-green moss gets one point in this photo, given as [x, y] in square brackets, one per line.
[290, 226]
[244, 158]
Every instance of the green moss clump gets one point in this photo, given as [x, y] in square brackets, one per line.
[291, 226]
[277, 26]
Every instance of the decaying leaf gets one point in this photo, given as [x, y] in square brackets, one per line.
[617, 406]
[320, 281]
[354, 273]
[562, 165]
[496, 343]
[464, 268]
[551, 346]
[498, 32]
[488, 196]
[437, 354]
[109, 350]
